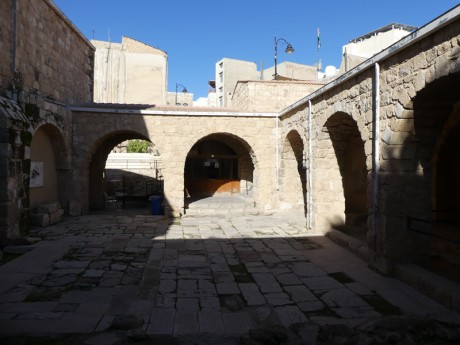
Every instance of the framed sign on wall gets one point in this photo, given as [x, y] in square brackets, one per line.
[36, 174]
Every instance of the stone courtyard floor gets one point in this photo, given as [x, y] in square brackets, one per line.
[141, 279]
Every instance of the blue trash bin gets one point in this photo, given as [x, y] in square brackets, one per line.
[156, 204]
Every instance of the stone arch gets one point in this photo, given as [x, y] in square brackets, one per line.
[49, 158]
[341, 177]
[235, 173]
[293, 173]
[94, 182]
[446, 169]
[437, 142]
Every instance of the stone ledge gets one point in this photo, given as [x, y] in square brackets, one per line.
[432, 285]
[360, 248]
[46, 214]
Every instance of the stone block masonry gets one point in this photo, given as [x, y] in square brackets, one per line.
[43, 37]
[46, 63]
[174, 136]
[47, 214]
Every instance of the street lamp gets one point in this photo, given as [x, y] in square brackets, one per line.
[184, 90]
[289, 49]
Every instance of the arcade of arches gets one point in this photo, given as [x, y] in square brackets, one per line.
[382, 143]
[419, 173]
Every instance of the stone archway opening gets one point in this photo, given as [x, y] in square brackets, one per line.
[293, 175]
[346, 188]
[446, 179]
[123, 181]
[445, 244]
[219, 165]
[49, 175]
[437, 129]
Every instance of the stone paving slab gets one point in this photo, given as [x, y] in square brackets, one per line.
[202, 275]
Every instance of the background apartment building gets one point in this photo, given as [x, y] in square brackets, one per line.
[231, 71]
[228, 73]
[129, 72]
[362, 48]
[180, 98]
[290, 71]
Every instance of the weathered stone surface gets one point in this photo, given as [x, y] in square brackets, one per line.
[290, 315]
[300, 293]
[342, 298]
[42, 219]
[167, 285]
[61, 280]
[91, 273]
[227, 288]
[70, 264]
[118, 267]
[193, 305]
[17, 249]
[47, 208]
[251, 294]
[125, 322]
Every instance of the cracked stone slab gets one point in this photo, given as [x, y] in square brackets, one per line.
[300, 293]
[251, 294]
[343, 298]
[70, 264]
[290, 315]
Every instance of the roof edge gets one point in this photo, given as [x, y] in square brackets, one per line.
[173, 112]
[412, 38]
[71, 25]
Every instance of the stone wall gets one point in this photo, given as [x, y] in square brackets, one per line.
[173, 136]
[6, 41]
[271, 95]
[15, 138]
[328, 173]
[52, 56]
[50, 66]
[417, 110]
[417, 104]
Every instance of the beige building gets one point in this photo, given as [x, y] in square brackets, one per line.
[360, 49]
[180, 98]
[271, 95]
[129, 72]
[230, 71]
[290, 71]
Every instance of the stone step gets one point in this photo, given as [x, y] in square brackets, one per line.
[211, 211]
[221, 205]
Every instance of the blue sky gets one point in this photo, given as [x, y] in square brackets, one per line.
[198, 33]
